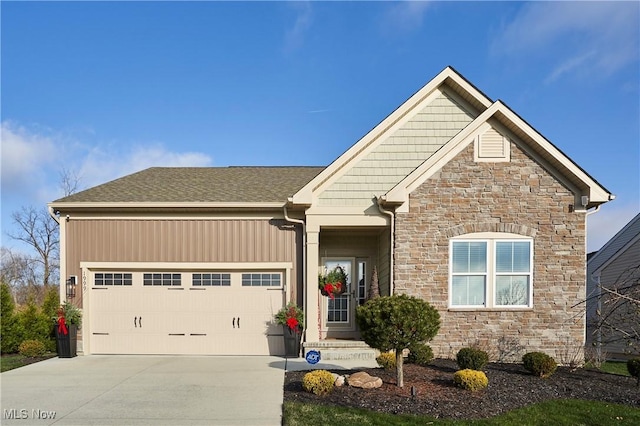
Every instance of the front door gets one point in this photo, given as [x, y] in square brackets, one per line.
[339, 312]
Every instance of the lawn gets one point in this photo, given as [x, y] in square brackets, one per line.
[11, 361]
[557, 412]
[613, 367]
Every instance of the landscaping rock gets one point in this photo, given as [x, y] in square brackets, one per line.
[363, 380]
[339, 381]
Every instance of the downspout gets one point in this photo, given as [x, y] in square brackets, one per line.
[599, 292]
[304, 266]
[392, 219]
[53, 215]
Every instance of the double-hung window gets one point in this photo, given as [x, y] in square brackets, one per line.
[491, 272]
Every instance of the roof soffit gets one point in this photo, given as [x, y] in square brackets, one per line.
[448, 81]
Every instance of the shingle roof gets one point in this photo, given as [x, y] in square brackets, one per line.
[200, 184]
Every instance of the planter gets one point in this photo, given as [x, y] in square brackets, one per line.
[291, 342]
[66, 344]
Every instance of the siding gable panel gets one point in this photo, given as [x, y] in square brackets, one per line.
[400, 153]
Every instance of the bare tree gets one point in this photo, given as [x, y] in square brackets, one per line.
[20, 272]
[69, 181]
[617, 319]
[36, 228]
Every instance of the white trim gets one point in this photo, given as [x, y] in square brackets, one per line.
[305, 196]
[491, 239]
[400, 193]
[165, 205]
[191, 266]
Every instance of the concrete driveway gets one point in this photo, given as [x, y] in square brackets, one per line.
[143, 390]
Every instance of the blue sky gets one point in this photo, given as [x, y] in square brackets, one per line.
[106, 89]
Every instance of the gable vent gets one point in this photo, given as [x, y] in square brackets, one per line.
[492, 146]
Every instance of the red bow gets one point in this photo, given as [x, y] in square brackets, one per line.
[62, 327]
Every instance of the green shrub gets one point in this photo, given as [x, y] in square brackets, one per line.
[396, 323]
[539, 363]
[387, 360]
[633, 366]
[10, 333]
[420, 354]
[319, 382]
[469, 379]
[472, 358]
[72, 314]
[32, 348]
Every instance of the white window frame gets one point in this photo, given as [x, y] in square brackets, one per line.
[491, 239]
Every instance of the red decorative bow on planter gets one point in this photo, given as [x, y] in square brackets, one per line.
[62, 324]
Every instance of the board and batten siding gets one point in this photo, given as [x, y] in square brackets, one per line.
[184, 241]
[400, 153]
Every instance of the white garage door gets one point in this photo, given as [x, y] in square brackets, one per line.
[194, 313]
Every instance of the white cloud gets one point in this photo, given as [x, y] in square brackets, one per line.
[405, 16]
[294, 37]
[601, 36]
[100, 165]
[25, 155]
[604, 224]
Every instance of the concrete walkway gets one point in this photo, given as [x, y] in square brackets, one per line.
[145, 390]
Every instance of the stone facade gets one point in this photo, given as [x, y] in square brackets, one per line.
[519, 197]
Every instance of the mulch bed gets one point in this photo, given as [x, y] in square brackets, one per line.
[510, 387]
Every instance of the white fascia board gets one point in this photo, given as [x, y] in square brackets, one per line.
[306, 195]
[400, 192]
[597, 194]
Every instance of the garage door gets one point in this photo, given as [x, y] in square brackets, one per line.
[194, 313]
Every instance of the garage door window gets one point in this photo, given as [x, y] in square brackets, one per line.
[113, 278]
[211, 279]
[261, 280]
[162, 278]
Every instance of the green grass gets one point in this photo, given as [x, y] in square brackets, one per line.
[557, 412]
[615, 368]
[9, 362]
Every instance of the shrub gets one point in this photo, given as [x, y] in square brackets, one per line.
[387, 360]
[10, 334]
[539, 363]
[633, 365]
[396, 323]
[34, 324]
[472, 358]
[420, 354]
[32, 348]
[469, 379]
[319, 382]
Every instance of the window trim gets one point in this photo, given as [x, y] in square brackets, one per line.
[491, 239]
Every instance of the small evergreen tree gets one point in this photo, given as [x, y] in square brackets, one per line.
[10, 333]
[33, 323]
[397, 323]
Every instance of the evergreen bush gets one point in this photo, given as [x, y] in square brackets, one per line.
[539, 363]
[469, 379]
[472, 358]
[319, 382]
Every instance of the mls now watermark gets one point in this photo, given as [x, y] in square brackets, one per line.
[23, 414]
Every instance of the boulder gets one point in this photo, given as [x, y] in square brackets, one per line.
[363, 380]
[339, 382]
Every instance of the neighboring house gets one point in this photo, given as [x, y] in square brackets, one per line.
[616, 266]
[452, 198]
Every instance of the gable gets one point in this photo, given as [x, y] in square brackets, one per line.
[400, 151]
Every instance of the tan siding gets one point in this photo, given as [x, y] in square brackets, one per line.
[400, 153]
[228, 240]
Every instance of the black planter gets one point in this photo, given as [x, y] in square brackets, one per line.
[66, 344]
[291, 342]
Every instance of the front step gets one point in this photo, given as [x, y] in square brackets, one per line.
[341, 349]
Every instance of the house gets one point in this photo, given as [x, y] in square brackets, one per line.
[452, 197]
[611, 322]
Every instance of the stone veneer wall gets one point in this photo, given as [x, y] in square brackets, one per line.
[518, 197]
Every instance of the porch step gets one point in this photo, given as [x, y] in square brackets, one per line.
[342, 349]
